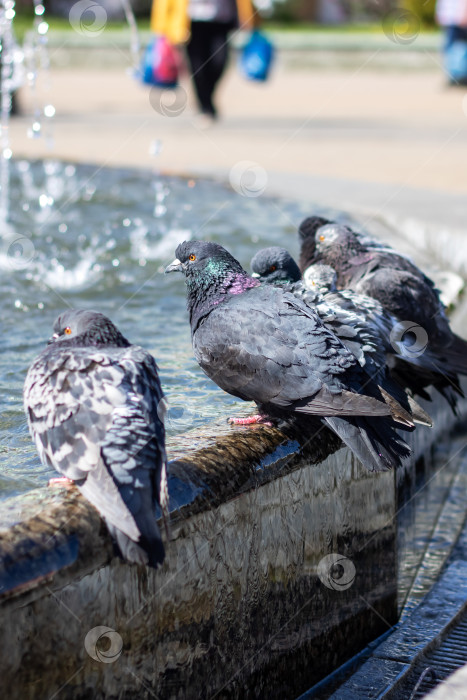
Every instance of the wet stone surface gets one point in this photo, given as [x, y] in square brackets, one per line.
[244, 603]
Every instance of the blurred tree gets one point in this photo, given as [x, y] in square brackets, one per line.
[348, 10]
[424, 9]
[295, 10]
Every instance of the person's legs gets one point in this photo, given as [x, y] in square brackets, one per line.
[219, 51]
[207, 52]
[453, 34]
[198, 55]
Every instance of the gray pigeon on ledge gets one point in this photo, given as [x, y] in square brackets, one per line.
[262, 344]
[359, 322]
[368, 267]
[94, 405]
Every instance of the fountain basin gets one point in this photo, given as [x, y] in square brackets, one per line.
[284, 558]
[247, 603]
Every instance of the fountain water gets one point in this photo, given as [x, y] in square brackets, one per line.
[12, 77]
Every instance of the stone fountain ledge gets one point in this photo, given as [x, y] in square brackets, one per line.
[238, 607]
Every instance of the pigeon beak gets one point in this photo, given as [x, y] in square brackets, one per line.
[256, 275]
[176, 266]
[53, 338]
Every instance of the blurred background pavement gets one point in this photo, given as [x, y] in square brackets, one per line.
[360, 119]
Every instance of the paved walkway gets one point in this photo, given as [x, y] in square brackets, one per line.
[356, 136]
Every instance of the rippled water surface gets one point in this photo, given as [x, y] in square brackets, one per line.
[81, 237]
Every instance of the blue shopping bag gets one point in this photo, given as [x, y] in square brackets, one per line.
[455, 61]
[256, 57]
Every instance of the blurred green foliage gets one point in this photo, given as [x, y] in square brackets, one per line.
[424, 9]
[290, 11]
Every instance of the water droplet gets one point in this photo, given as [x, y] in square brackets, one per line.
[126, 222]
[155, 147]
[39, 10]
[44, 201]
[18, 304]
[63, 228]
[7, 153]
[115, 262]
[40, 305]
[9, 14]
[43, 28]
[49, 110]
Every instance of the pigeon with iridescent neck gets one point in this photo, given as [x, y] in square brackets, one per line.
[262, 344]
[95, 410]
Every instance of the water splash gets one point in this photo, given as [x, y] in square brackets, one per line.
[134, 35]
[12, 77]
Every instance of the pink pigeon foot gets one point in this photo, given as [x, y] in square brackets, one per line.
[251, 420]
[61, 481]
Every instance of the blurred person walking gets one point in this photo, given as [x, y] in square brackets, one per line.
[452, 15]
[204, 26]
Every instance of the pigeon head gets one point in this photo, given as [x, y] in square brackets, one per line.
[275, 265]
[310, 225]
[195, 258]
[82, 327]
[335, 236]
[320, 278]
[211, 276]
[306, 233]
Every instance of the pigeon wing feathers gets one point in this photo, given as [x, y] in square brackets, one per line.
[68, 408]
[78, 404]
[290, 361]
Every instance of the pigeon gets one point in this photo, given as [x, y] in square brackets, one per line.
[95, 411]
[360, 322]
[306, 233]
[275, 265]
[260, 343]
[367, 267]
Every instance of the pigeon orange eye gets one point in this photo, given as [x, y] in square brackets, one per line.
[322, 238]
[272, 268]
[192, 257]
[67, 330]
